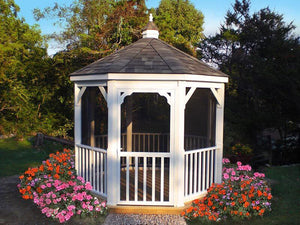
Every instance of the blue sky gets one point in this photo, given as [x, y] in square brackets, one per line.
[214, 12]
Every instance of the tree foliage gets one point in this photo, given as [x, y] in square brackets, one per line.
[21, 48]
[261, 55]
[180, 24]
[98, 27]
[35, 93]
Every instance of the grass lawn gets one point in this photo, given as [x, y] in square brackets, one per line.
[285, 184]
[17, 156]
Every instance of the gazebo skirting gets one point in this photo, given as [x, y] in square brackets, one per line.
[146, 177]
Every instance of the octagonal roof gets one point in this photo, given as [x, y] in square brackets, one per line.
[148, 56]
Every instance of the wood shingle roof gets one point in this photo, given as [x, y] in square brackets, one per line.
[150, 56]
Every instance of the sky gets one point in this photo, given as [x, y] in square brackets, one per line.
[214, 12]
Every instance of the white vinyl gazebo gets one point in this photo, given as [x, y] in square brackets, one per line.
[149, 124]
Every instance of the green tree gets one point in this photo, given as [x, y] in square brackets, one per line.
[261, 55]
[21, 49]
[180, 24]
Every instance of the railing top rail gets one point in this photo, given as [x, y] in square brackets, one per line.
[200, 150]
[146, 154]
[92, 148]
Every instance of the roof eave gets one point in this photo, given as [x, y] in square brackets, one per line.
[151, 77]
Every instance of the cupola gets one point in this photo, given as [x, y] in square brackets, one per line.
[151, 30]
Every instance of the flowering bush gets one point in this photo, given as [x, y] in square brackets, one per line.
[240, 152]
[56, 190]
[242, 194]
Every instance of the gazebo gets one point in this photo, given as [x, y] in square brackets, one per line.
[149, 124]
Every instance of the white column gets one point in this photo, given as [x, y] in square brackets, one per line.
[77, 121]
[178, 150]
[112, 150]
[219, 134]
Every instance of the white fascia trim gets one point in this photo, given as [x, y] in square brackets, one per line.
[152, 77]
[89, 77]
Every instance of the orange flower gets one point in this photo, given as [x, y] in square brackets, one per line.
[261, 212]
[244, 197]
[190, 209]
[41, 168]
[246, 204]
[39, 190]
[210, 203]
[259, 193]
[195, 201]
[269, 196]
[29, 178]
[21, 177]
[25, 197]
[57, 169]
[56, 176]
[233, 203]
[241, 213]
[247, 214]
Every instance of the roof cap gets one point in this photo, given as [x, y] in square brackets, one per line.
[150, 30]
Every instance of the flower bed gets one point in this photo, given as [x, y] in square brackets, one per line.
[242, 194]
[57, 191]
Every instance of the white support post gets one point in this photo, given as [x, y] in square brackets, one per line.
[77, 118]
[178, 156]
[219, 134]
[112, 150]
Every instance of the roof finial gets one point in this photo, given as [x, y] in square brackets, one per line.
[151, 30]
[150, 17]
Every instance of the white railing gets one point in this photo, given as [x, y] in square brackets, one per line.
[91, 165]
[199, 171]
[195, 142]
[153, 142]
[145, 178]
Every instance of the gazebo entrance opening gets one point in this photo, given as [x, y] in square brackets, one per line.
[145, 149]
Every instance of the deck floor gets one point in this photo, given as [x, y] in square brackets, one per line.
[140, 186]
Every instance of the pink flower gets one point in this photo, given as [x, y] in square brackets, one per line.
[238, 163]
[88, 186]
[71, 207]
[79, 197]
[226, 176]
[67, 217]
[44, 210]
[48, 184]
[88, 197]
[103, 204]
[91, 208]
[43, 186]
[48, 201]
[79, 212]
[96, 202]
[225, 160]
